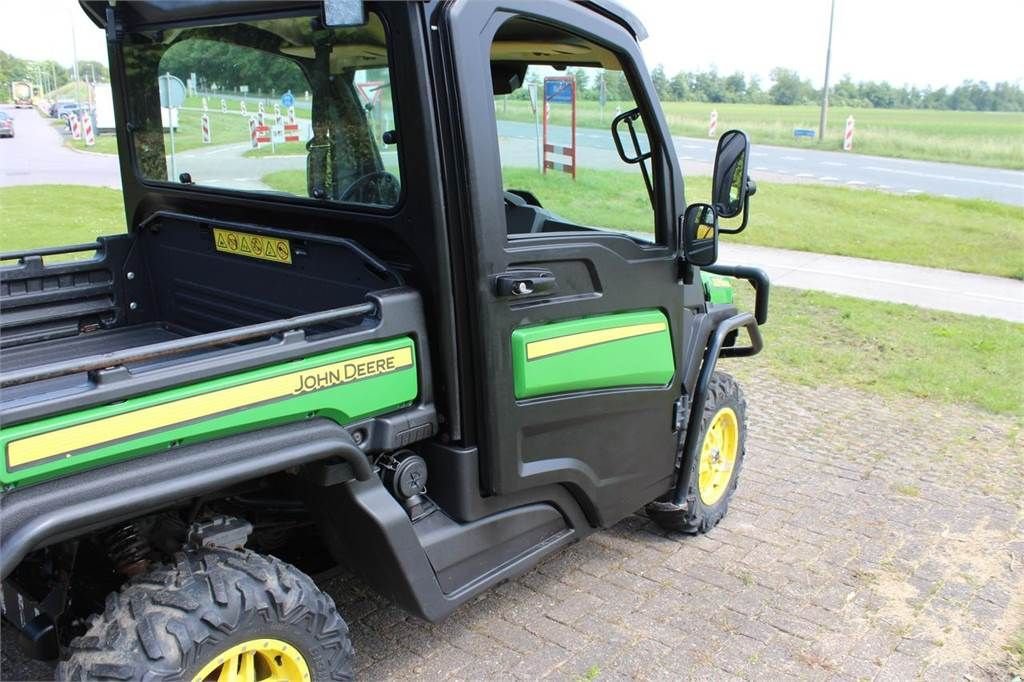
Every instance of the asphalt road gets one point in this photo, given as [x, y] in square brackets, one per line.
[808, 165]
[36, 156]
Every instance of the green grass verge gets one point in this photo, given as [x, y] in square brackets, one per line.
[969, 235]
[981, 138]
[815, 338]
[105, 144]
[32, 216]
[956, 234]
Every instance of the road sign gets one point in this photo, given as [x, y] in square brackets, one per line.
[558, 90]
[804, 132]
[287, 99]
[172, 91]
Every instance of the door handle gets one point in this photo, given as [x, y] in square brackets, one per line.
[524, 282]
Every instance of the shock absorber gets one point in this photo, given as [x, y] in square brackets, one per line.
[128, 550]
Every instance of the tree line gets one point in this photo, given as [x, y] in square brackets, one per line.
[230, 66]
[46, 74]
[787, 87]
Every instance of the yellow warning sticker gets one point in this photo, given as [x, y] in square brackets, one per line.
[253, 245]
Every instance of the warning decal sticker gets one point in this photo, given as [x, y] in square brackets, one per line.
[253, 245]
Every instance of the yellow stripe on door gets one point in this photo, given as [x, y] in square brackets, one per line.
[560, 344]
[109, 429]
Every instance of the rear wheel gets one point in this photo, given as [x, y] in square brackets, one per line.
[215, 615]
[718, 462]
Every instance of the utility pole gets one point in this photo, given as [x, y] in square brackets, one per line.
[74, 56]
[828, 60]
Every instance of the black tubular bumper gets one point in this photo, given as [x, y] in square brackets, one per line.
[62, 508]
[715, 349]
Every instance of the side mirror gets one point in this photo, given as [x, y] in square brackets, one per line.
[731, 187]
[700, 234]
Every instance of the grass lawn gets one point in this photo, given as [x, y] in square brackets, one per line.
[105, 144]
[958, 234]
[32, 216]
[980, 138]
[816, 338]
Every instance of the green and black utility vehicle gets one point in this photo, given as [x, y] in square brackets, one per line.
[361, 316]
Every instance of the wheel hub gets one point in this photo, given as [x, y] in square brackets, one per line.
[257, 660]
[718, 456]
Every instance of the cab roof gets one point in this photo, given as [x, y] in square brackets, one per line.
[155, 14]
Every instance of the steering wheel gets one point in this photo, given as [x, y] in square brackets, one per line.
[377, 187]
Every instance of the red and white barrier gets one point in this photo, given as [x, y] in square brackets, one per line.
[242, 108]
[291, 114]
[262, 133]
[848, 136]
[76, 132]
[259, 107]
[87, 131]
[291, 132]
[223, 106]
[713, 123]
[252, 131]
[205, 123]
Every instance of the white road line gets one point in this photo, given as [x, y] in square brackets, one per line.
[782, 172]
[792, 158]
[832, 163]
[829, 178]
[761, 168]
[914, 191]
[687, 158]
[804, 175]
[855, 182]
[934, 176]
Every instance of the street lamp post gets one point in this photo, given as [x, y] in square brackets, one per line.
[828, 60]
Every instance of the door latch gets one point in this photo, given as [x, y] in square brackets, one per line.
[524, 282]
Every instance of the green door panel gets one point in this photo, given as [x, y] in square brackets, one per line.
[342, 385]
[605, 351]
[717, 289]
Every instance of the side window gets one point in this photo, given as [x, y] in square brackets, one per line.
[255, 107]
[555, 97]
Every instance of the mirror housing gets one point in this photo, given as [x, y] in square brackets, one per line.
[699, 232]
[731, 186]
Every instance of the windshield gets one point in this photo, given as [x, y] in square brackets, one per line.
[267, 106]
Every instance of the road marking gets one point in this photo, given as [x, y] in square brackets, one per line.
[792, 158]
[782, 172]
[829, 178]
[687, 158]
[832, 163]
[914, 191]
[804, 175]
[761, 168]
[856, 182]
[934, 176]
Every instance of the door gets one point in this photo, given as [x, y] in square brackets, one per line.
[576, 332]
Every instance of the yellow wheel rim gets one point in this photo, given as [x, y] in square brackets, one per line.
[256, 660]
[718, 456]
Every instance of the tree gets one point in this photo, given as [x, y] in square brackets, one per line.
[660, 81]
[787, 88]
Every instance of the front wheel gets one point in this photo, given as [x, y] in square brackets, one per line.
[215, 615]
[718, 462]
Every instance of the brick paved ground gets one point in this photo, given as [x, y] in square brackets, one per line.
[870, 539]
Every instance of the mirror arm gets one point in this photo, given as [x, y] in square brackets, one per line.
[743, 225]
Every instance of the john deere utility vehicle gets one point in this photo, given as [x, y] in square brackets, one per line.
[408, 343]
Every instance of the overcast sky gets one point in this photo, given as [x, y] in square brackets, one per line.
[918, 42]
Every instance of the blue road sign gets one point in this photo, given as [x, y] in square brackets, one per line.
[557, 91]
[287, 99]
[803, 132]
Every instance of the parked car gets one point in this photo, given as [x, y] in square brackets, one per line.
[6, 125]
[63, 108]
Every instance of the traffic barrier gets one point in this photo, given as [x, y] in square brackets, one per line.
[90, 137]
[291, 114]
[259, 115]
[205, 122]
[76, 132]
[242, 108]
[848, 136]
[713, 123]
[223, 106]
[262, 134]
[277, 110]
[259, 107]
[291, 132]
[252, 132]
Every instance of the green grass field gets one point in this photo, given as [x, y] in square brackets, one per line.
[976, 138]
[105, 144]
[815, 338]
[811, 338]
[957, 234]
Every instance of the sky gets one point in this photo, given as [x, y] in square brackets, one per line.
[925, 43]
